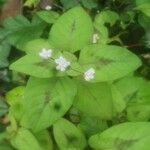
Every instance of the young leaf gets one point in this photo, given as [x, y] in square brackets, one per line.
[100, 20]
[126, 136]
[46, 100]
[94, 99]
[110, 62]
[71, 137]
[48, 16]
[68, 33]
[15, 99]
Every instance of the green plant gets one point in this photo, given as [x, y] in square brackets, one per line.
[84, 85]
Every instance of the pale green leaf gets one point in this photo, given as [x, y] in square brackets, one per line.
[136, 92]
[110, 62]
[15, 99]
[145, 8]
[94, 99]
[33, 65]
[46, 100]
[68, 33]
[25, 140]
[126, 136]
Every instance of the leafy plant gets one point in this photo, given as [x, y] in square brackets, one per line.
[74, 83]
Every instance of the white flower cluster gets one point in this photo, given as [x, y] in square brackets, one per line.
[95, 38]
[89, 74]
[48, 7]
[45, 53]
[62, 63]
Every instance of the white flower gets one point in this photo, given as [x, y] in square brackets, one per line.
[48, 7]
[95, 38]
[89, 74]
[45, 53]
[62, 63]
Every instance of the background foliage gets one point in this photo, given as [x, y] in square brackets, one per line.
[111, 113]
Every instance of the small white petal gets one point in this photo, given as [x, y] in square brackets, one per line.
[48, 7]
[45, 53]
[95, 38]
[62, 63]
[89, 74]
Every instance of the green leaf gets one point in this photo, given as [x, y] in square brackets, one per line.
[48, 16]
[31, 3]
[44, 140]
[140, 2]
[110, 62]
[34, 47]
[15, 99]
[71, 137]
[89, 3]
[136, 92]
[4, 53]
[94, 99]
[92, 125]
[126, 136]
[68, 33]
[5, 147]
[25, 140]
[100, 20]
[145, 8]
[3, 107]
[46, 100]
[18, 30]
[33, 65]
[118, 100]
[15, 95]
[69, 4]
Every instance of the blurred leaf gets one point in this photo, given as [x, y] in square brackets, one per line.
[25, 140]
[3, 107]
[48, 16]
[44, 139]
[145, 8]
[89, 3]
[4, 53]
[69, 4]
[31, 3]
[19, 30]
